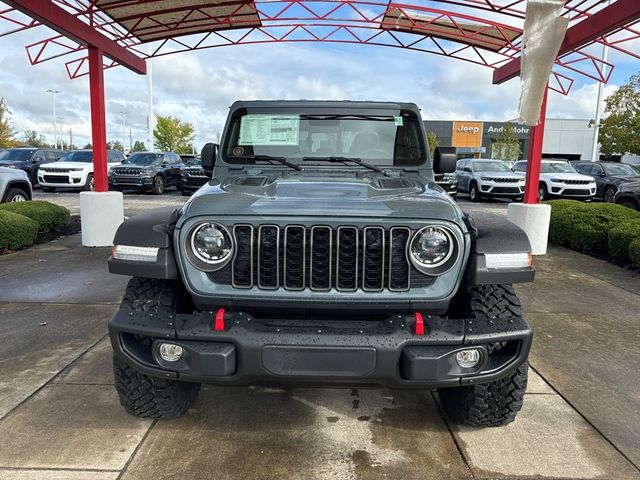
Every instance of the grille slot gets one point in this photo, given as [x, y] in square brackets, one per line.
[242, 271]
[399, 271]
[321, 253]
[345, 258]
[268, 252]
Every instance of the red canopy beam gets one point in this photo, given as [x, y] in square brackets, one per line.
[601, 23]
[68, 25]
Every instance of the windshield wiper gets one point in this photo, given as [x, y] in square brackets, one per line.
[336, 159]
[268, 158]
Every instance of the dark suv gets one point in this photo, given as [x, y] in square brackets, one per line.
[608, 176]
[322, 253]
[147, 171]
[29, 159]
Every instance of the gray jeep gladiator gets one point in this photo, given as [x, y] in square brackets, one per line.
[322, 253]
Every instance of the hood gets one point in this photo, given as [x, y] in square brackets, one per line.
[567, 176]
[4, 169]
[132, 166]
[323, 195]
[67, 165]
[619, 179]
[500, 174]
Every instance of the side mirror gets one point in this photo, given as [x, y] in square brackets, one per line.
[467, 169]
[208, 157]
[445, 160]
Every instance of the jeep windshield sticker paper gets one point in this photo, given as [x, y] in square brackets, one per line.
[269, 130]
[397, 120]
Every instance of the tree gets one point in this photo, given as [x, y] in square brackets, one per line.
[115, 145]
[620, 131]
[88, 146]
[173, 135]
[33, 138]
[138, 146]
[433, 142]
[7, 132]
[507, 144]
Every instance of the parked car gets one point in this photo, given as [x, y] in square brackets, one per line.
[559, 179]
[628, 194]
[15, 185]
[608, 176]
[74, 170]
[485, 178]
[323, 254]
[29, 159]
[448, 183]
[193, 177]
[148, 172]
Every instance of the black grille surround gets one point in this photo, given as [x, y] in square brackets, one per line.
[321, 258]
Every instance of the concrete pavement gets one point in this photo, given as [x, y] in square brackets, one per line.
[60, 418]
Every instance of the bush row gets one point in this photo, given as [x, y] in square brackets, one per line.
[596, 228]
[20, 222]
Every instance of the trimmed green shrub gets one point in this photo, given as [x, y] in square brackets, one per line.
[634, 252]
[16, 231]
[621, 237]
[48, 216]
[585, 226]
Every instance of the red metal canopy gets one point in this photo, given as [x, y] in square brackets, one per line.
[484, 32]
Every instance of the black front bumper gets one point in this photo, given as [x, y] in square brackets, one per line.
[131, 183]
[251, 351]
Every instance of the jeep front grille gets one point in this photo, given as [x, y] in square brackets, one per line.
[126, 171]
[320, 258]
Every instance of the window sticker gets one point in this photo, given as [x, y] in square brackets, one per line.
[269, 130]
[398, 120]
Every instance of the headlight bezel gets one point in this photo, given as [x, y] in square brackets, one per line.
[442, 266]
[200, 262]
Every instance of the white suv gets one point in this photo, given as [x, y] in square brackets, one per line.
[73, 170]
[481, 177]
[559, 179]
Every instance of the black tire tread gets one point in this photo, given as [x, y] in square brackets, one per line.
[148, 397]
[497, 403]
[141, 395]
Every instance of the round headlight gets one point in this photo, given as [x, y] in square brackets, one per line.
[211, 243]
[431, 247]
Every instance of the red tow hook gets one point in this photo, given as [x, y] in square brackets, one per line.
[419, 324]
[218, 323]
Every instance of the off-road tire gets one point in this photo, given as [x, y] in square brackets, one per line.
[142, 395]
[158, 185]
[496, 403]
[185, 193]
[149, 397]
[631, 204]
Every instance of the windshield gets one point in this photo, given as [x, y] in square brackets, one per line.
[620, 170]
[556, 167]
[143, 159]
[15, 155]
[379, 137]
[490, 167]
[86, 157]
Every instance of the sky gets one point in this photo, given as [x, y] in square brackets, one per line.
[198, 87]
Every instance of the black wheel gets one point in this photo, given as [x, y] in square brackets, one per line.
[16, 195]
[631, 204]
[610, 193]
[89, 185]
[543, 193]
[158, 185]
[185, 193]
[140, 394]
[496, 403]
[474, 193]
[47, 189]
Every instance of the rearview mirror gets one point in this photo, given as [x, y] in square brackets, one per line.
[208, 157]
[445, 160]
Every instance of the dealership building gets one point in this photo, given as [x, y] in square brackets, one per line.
[571, 139]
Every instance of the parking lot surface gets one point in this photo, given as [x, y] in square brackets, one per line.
[60, 417]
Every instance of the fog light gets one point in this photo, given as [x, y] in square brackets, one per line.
[468, 358]
[170, 352]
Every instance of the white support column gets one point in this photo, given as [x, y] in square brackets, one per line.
[534, 220]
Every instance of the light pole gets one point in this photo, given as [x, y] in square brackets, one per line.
[124, 135]
[150, 118]
[595, 152]
[55, 122]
